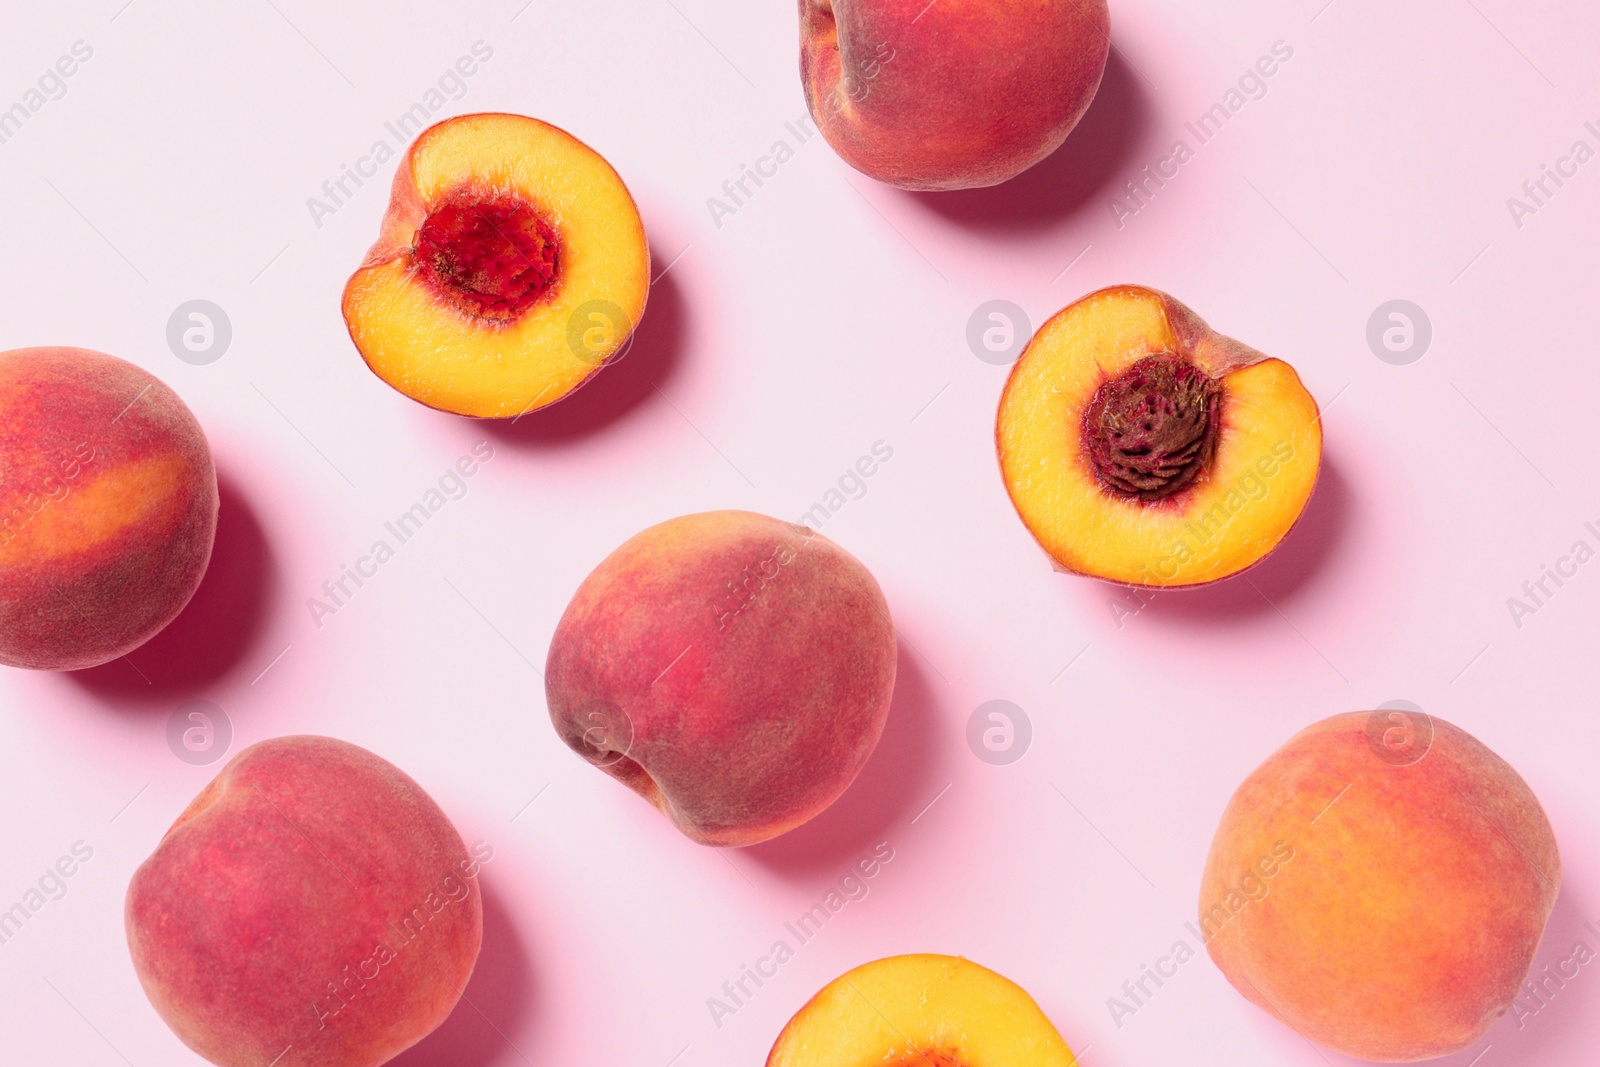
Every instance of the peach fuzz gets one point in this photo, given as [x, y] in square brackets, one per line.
[732, 669]
[950, 95]
[921, 1011]
[312, 907]
[510, 267]
[1380, 884]
[108, 507]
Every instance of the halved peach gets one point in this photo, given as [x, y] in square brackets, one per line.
[1141, 446]
[511, 266]
[921, 1011]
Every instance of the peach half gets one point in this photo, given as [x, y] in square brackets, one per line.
[954, 94]
[732, 669]
[108, 507]
[1140, 446]
[511, 266]
[1380, 884]
[921, 1011]
[312, 907]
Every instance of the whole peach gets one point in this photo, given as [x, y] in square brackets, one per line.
[108, 507]
[732, 669]
[312, 907]
[1381, 884]
[951, 94]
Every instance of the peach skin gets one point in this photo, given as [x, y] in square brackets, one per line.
[954, 94]
[1380, 884]
[312, 907]
[108, 507]
[732, 669]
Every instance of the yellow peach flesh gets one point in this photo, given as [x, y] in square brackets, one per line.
[921, 1009]
[448, 359]
[1268, 451]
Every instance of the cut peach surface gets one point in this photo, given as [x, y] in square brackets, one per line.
[511, 266]
[1140, 446]
[921, 1011]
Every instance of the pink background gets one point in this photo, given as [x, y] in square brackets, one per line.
[827, 314]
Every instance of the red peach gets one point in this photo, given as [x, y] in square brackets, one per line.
[108, 507]
[312, 907]
[952, 94]
[733, 670]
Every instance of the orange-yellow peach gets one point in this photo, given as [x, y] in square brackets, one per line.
[1380, 884]
[511, 266]
[312, 907]
[108, 507]
[732, 669]
[921, 1011]
[953, 94]
[1140, 446]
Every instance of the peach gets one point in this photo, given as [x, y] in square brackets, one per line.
[512, 265]
[1140, 446]
[108, 507]
[1380, 884]
[921, 1011]
[312, 907]
[732, 669]
[952, 94]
